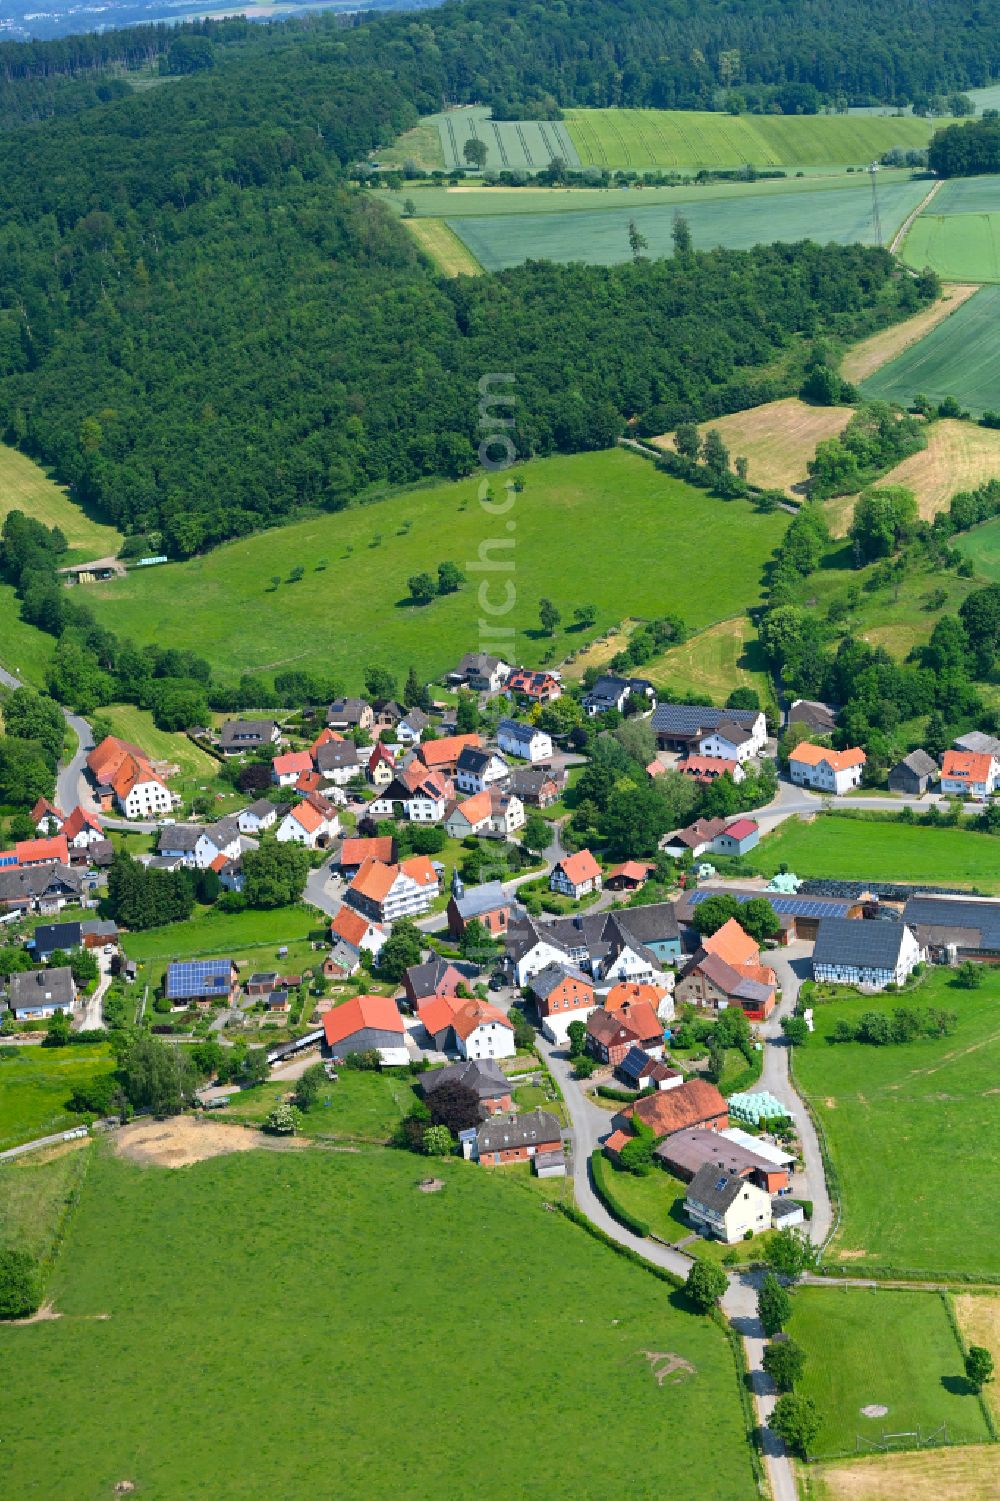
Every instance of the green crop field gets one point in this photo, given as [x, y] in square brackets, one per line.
[959, 247]
[889, 1348]
[968, 195]
[24, 486]
[601, 236]
[294, 1317]
[982, 545]
[691, 138]
[913, 1132]
[527, 145]
[853, 848]
[36, 1082]
[960, 357]
[701, 558]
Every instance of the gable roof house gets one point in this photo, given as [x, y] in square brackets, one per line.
[286, 769]
[576, 875]
[259, 816]
[350, 714]
[524, 740]
[630, 876]
[35, 994]
[477, 769]
[536, 687]
[381, 765]
[969, 773]
[312, 823]
[820, 718]
[196, 847]
[354, 853]
[611, 1034]
[640, 1070]
[39, 888]
[351, 933]
[515, 1138]
[659, 998]
[385, 893]
[693, 1103]
[724, 1206]
[954, 928]
[488, 904]
[442, 755]
[365, 1024]
[728, 740]
[870, 955]
[482, 1075]
[123, 775]
[470, 1027]
[338, 761]
[737, 838]
[562, 995]
[695, 839]
[706, 769]
[28, 852]
[506, 813]
[827, 770]
[201, 982]
[914, 774]
[416, 793]
[611, 692]
[726, 971]
[47, 818]
[82, 829]
[240, 735]
[437, 977]
[480, 672]
[470, 817]
[631, 944]
[683, 727]
[410, 728]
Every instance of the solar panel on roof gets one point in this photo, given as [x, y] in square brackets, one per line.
[787, 906]
[198, 977]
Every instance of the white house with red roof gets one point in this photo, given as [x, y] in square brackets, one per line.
[385, 893]
[47, 818]
[824, 769]
[353, 931]
[576, 875]
[312, 823]
[469, 1027]
[969, 774]
[122, 774]
[381, 765]
[472, 816]
[287, 768]
[82, 829]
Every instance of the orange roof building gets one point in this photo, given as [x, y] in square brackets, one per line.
[732, 944]
[386, 893]
[630, 993]
[442, 755]
[694, 1103]
[354, 852]
[827, 770]
[472, 1028]
[52, 851]
[969, 773]
[123, 769]
[365, 1024]
[576, 875]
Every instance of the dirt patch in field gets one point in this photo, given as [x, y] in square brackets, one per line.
[874, 1410]
[430, 1185]
[182, 1141]
[851, 1255]
[778, 439]
[830, 1102]
[968, 1474]
[666, 1366]
[958, 456]
[978, 1317]
[868, 356]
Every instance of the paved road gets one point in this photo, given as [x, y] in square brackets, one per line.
[91, 1017]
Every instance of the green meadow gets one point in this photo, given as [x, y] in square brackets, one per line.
[913, 1132]
[887, 1348]
[698, 138]
[960, 357]
[847, 849]
[982, 545]
[35, 1084]
[333, 1328]
[959, 247]
[565, 535]
[841, 213]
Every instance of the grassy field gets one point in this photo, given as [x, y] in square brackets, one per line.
[251, 938]
[36, 1192]
[694, 138]
[713, 663]
[893, 1348]
[570, 517]
[422, 145]
[526, 144]
[441, 244]
[136, 725]
[960, 358]
[24, 649]
[600, 236]
[24, 486]
[968, 1474]
[849, 848]
[978, 1316]
[864, 358]
[968, 195]
[778, 439]
[959, 247]
[913, 1132]
[982, 545]
[958, 456]
[36, 1082]
[359, 1106]
[292, 1311]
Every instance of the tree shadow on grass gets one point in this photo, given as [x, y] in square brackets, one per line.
[959, 1386]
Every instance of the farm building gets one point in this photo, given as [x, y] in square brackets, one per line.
[693, 1103]
[365, 1024]
[954, 928]
[799, 916]
[515, 1138]
[690, 727]
[686, 1152]
[914, 774]
[868, 954]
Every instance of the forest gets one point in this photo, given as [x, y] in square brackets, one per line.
[966, 150]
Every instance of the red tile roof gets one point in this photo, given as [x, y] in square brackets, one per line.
[378, 1012]
[742, 828]
[445, 752]
[811, 755]
[350, 926]
[357, 851]
[296, 761]
[966, 766]
[79, 820]
[39, 851]
[579, 867]
[675, 1109]
[732, 944]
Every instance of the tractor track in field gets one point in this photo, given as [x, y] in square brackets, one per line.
[907, 223]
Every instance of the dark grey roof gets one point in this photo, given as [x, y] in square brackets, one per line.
[56, 935]
[97, 927]
[715, 1189]
[515, 730]
[38, 987]
[607, 689]
[349, 710]
[549, 978]
[731, 731]
[533, 778]
[505, 1131]
[424, 978]
[246, 731]
[688, 719]
[485, 1076]
[479, 663]
[260, 809]
[654, 923]
[634, 1062]
[471, 758]
[946, 913]
[336, 754]
[978, 743]
[34, 881]
[696, 1147]
[920, 763]
[811, 712]
[858, 944]
[180, 836]
[479, 899]
[416, 719]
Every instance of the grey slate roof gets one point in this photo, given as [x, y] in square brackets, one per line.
[40, 987]
[503, 1132]
[472, 759]
[696, 1147]
[34, 881]
[858, 944]
[920, 763]
[715, 1189]
[425, 978]
[261, 808]
[688, 719]
[56, 935]
[515, 730]
[818, 716]
[485, 1076]
[336, 754]
[246, 732]
[978, 920]
[180, 837]
[552, 976]
[731, 731]
[479, 899]
[979, 743]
